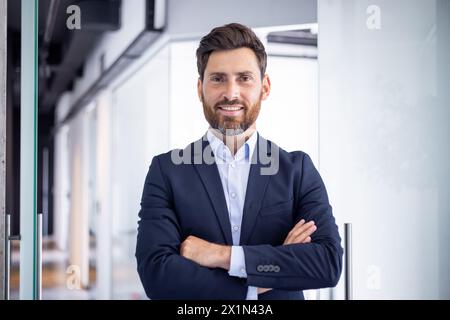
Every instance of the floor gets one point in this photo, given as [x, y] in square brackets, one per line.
[56, 284]
[57, 280]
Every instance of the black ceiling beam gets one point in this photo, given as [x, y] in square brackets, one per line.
[100, 15]
[298, 37]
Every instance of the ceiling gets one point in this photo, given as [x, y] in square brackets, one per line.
[61, 52]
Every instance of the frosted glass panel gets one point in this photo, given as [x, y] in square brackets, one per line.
[384, 147]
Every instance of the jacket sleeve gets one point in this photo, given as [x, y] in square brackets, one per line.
[163, 272]
[301, 266]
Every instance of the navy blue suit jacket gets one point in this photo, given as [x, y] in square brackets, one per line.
[188, 199]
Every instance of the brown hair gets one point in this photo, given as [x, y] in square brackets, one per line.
[227, 37]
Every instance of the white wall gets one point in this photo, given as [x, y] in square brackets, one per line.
[289, 116]
[187, 122]
[384, 151]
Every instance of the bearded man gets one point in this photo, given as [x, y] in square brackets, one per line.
[233, 216]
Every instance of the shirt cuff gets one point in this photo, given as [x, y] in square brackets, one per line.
[237, 263]
[252, 293]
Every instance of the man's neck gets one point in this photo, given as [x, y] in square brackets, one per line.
[234, 143]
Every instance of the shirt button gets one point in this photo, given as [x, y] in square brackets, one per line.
[235, 228]
[232, 165]
[243, 271]
[233, 195]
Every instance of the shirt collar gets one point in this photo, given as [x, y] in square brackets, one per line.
[223, 153]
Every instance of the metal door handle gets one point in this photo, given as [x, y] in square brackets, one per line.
[39, 257]
[7, 256]
[348, 261]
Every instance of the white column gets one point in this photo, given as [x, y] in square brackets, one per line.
[103, 192]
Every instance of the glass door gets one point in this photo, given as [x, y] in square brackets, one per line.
[30, 266]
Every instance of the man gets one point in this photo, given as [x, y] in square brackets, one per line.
[232, 216]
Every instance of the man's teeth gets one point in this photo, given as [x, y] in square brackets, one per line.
[231, 108]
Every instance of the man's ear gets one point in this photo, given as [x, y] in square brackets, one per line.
[200, 89]
[265, 87]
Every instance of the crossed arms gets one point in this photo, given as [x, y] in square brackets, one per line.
[212, 255]
[173, 267]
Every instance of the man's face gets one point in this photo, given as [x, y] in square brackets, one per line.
[232, 90]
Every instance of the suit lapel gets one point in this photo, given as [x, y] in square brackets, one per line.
[256, 188]
[209, 174]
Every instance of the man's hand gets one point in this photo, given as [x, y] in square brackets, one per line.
[206, 253]
[301, 233]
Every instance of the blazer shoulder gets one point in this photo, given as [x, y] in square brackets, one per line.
[298, 156]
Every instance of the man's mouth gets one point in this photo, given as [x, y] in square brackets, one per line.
[230, 110]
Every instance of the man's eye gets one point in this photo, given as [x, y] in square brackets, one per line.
[246, 78]
[216, 79]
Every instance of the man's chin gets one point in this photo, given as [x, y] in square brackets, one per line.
[231, 130]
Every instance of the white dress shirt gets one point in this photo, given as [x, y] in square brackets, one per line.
[234, 171]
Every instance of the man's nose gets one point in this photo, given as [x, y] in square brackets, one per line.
[231, 91]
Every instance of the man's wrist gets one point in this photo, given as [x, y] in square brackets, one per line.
[223, 256]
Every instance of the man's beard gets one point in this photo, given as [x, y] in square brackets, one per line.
[231, 126]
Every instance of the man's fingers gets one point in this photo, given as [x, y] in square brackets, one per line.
[302, 221]
[298, 229]
[298, 225]
[290, 234]
[301, 238]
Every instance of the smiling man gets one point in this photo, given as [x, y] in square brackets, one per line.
[218, 220]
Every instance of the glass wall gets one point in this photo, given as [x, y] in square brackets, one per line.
[384, 141]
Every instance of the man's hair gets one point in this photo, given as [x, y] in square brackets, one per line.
[227, 37]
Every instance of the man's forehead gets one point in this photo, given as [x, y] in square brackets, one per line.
[235, 61]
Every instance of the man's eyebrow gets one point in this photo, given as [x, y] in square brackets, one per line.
[217, 74]
[240, 73]
[244, 73]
